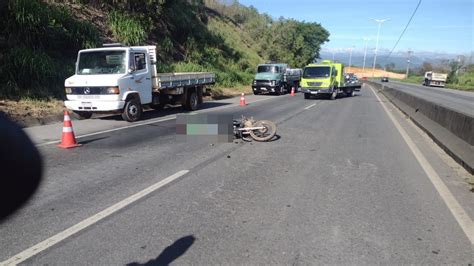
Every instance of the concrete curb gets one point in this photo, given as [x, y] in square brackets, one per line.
[450, 129]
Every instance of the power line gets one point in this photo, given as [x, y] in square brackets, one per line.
[403, 32]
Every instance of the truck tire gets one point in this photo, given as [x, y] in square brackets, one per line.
[333, 95]
[350, 94]
[192, 101]
[81, 115]
[132, 110]
[282, 90]
[307, 95]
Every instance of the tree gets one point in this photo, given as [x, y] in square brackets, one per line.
[452, 75]
[425, 67]
[390, 66]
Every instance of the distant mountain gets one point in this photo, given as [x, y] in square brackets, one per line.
[398, 58]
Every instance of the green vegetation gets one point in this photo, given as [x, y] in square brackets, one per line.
[125, 28]
[464, 81]
[40, 42]
[39, 39]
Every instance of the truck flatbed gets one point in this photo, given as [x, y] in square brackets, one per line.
[174, 80]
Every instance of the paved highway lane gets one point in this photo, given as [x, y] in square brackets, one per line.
[339, 188]
[461, 101]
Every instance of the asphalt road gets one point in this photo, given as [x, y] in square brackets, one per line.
[462, 101]
[338, 185]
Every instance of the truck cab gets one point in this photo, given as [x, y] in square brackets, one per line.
[324, 78]
[270, 79]
[106, 78]
[123, 79]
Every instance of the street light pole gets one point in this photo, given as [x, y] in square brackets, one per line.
[365, 53]
[350, 59]
[380, 22]
[408, 64]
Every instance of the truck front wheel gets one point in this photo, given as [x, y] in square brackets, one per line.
[132, 110]
[333, 94]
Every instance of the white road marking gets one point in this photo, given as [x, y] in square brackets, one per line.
[308, 107]
[30, 252]
[146, 123]
[461, 216]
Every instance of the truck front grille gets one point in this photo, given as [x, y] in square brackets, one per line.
[314, 84]
[88, 90]
[263, 83]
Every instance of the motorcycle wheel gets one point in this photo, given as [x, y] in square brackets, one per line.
[264, 134]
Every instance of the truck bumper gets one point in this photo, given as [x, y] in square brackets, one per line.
[316, 90]
[91, 106]
[260, 89]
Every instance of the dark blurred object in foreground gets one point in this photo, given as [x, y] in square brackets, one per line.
[20, 167]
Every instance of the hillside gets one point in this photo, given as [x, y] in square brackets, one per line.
[40, 39]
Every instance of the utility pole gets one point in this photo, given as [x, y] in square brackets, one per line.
[408, 64]
[350, 58]
[380, 22]
[366, 40]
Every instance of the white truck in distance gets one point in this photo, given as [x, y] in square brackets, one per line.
[435, 79]
[123, 79]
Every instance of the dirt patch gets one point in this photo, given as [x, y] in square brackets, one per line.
[367, 72]
[33, 112]
[224, 93]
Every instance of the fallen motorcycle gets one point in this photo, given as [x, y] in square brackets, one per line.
[261, 130]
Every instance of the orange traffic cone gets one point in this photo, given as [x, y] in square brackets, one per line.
[242, 99]
[292, 91]
[67, 139]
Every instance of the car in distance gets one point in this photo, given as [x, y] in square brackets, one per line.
[384, 79]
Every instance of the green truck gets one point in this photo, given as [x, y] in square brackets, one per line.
[276, 79]
[326, 78]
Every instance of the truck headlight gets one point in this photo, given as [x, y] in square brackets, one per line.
[254, 82]
[113, 90]
[68, 90]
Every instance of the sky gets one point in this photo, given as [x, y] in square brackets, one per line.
[440, 26]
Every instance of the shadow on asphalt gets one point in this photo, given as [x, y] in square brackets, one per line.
[170, 253]
[91, 140]
[169, 110]
[326, 98]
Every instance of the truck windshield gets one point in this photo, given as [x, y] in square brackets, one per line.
[266, 69]
[316, 72]
[101, 62]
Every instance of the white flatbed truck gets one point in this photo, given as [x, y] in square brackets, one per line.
[122, 79]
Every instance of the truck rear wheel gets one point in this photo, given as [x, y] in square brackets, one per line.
[192, 102]
[132, 110]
